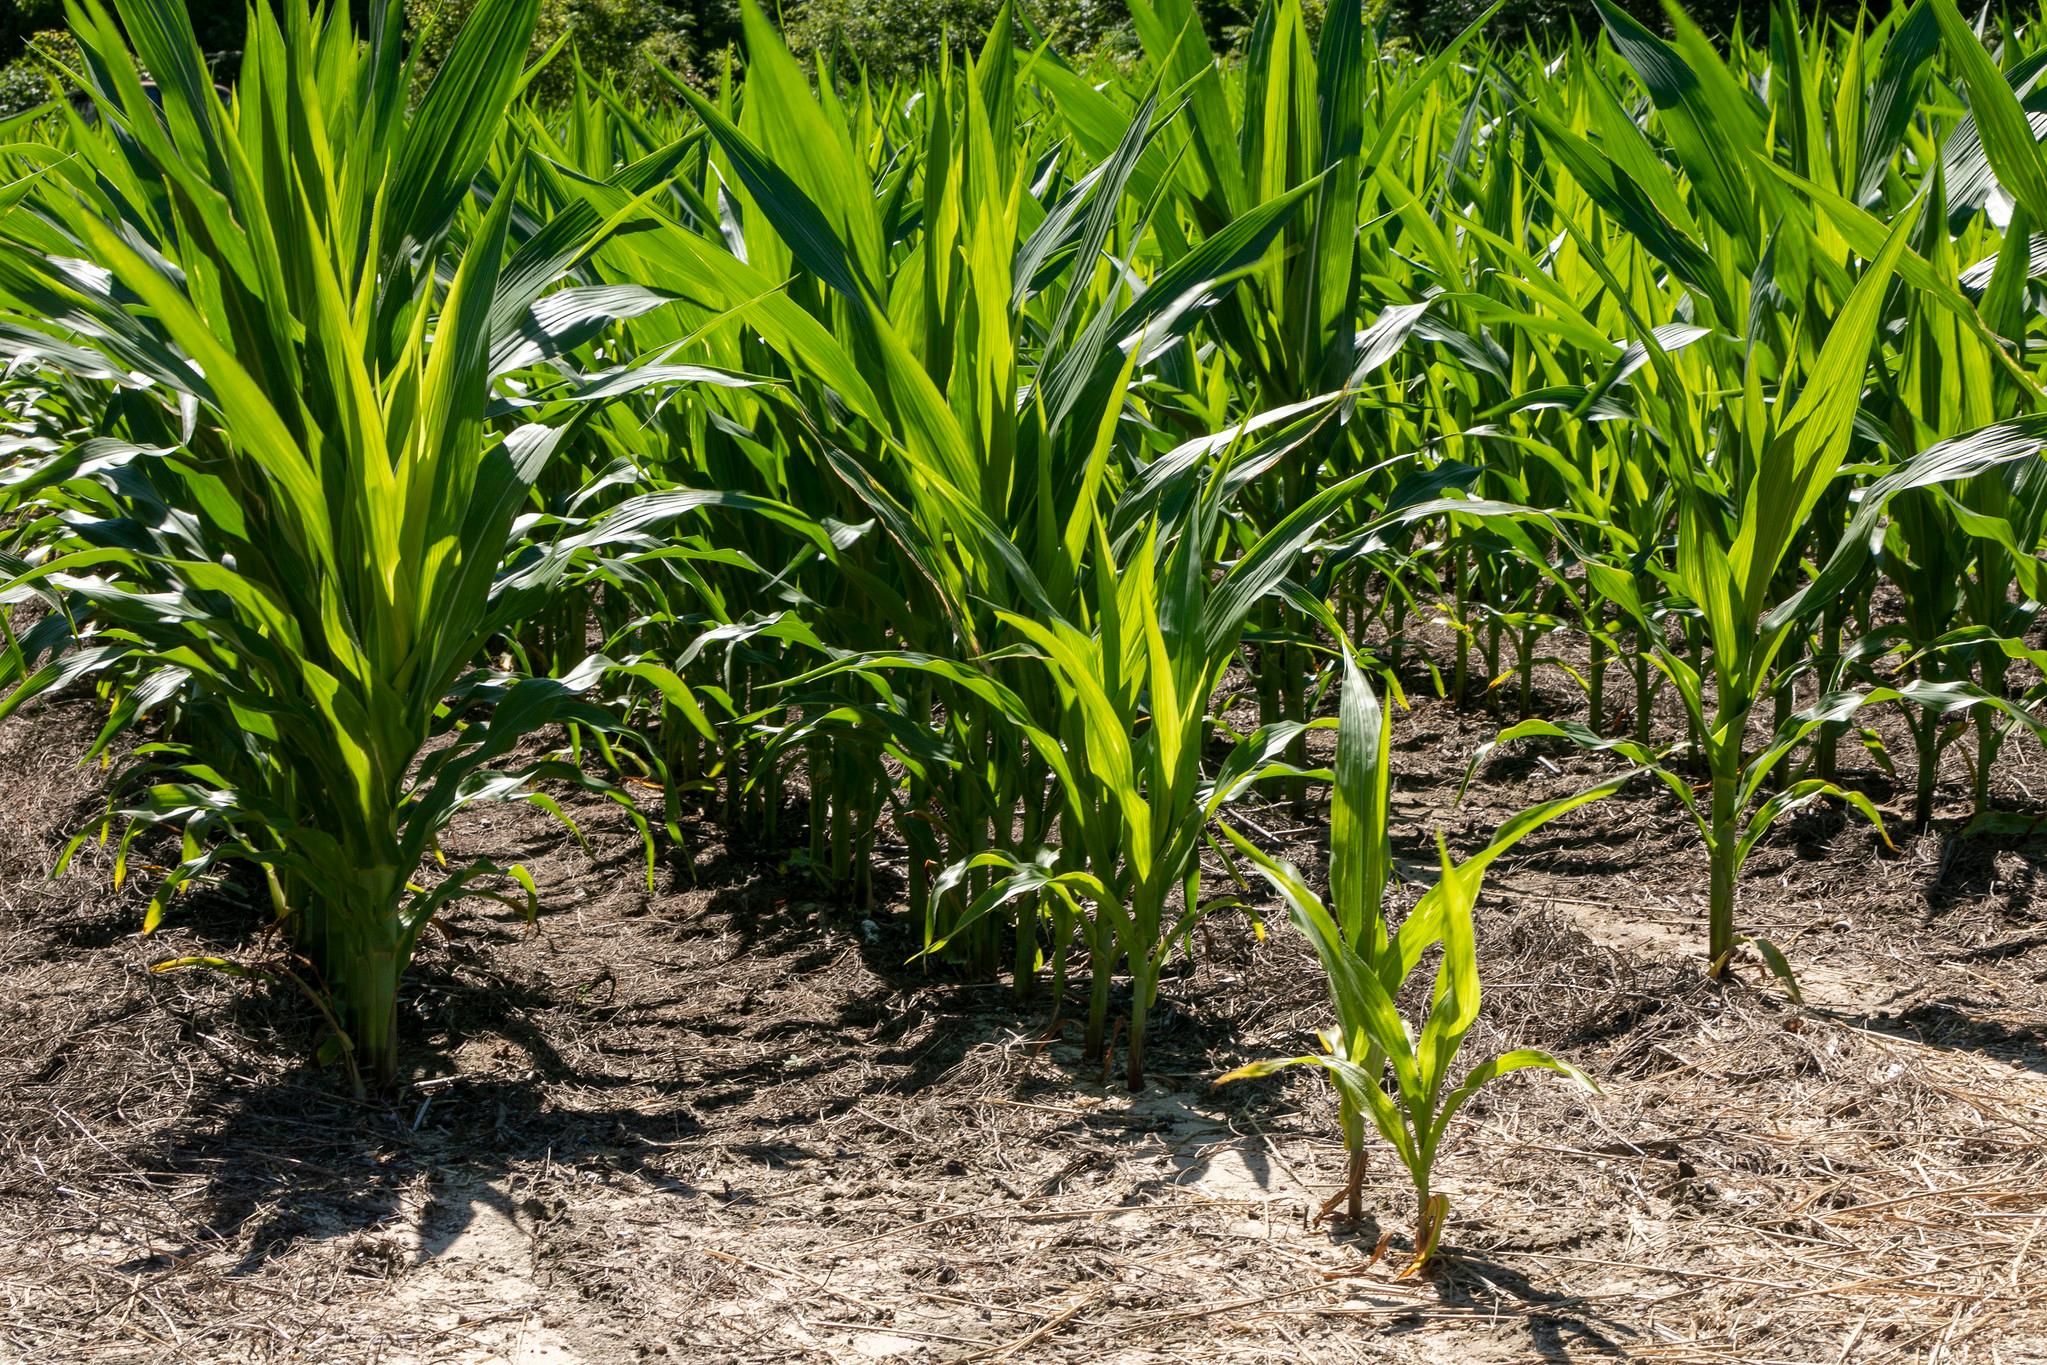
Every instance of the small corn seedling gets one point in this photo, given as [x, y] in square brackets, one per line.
[1366, 966]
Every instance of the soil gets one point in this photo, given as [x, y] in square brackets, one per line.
[727, 1119]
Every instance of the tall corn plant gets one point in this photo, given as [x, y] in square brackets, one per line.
[1136, 674]
[308, 507]
[1289, 332]
[1740, 513]
[995, 360]
[950, 464]
[1295, 119]
[1133, 666]
[1958, 519]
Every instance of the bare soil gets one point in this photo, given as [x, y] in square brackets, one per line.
[728, 1120]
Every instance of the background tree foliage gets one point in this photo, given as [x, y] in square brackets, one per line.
[630, 38]
[627, 39]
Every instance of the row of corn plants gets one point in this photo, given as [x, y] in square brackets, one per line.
[974, 486]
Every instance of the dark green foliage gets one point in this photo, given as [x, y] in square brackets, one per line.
[25, 81]
[1430, 22]
[622, 39]
[21, 20]
[894, 37]
[22, 80]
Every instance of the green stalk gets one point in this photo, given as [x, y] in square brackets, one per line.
[1988, 735]
[1724, 842]
[1492, 655]
[1102, 955]
[1925, 727]
[1526, 647]
[1460, 675]
[358, 927]
[1645, 694]
[1827, 740]
[1143, 986]
[920, 845]
[369, 995]
[1271, 665]
[1353, 1125]
[1783, 701]
[1595, 692]
[1695, 641]
[823, 774]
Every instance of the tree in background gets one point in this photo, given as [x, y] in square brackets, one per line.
[629, 39]
[893, 37]
[625, 38]
[25, 72]
[21, 20]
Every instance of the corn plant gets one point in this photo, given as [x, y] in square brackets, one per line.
[1740, 513]
[1366, 965]
[1135, 679]
[1122, 728]
[994, 427]
[300, 505]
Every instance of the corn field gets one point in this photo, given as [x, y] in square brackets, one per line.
[999, 491]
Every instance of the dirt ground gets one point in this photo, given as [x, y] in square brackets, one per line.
[726, 1121]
